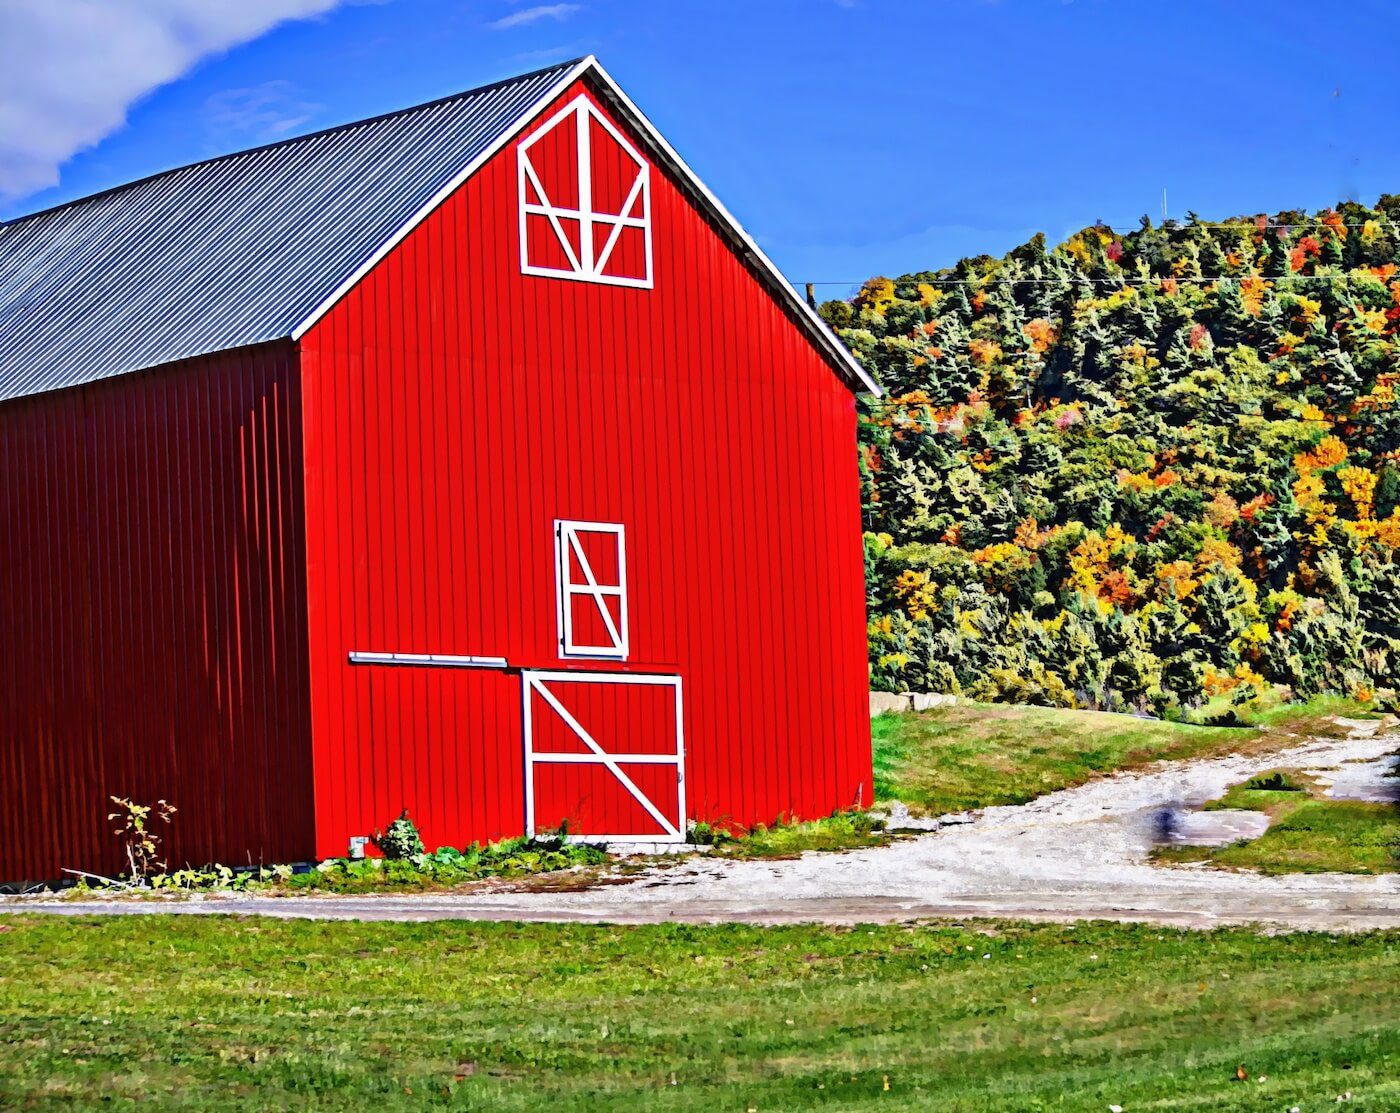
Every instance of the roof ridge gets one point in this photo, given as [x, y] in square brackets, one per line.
[561, 66]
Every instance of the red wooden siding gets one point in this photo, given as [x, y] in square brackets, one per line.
[454, 408]
[151, 601]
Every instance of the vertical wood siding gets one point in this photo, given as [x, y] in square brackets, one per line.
[152, 594]
[454, 408]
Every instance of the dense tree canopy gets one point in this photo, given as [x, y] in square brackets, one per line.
[1139, 469]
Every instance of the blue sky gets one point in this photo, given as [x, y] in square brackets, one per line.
[852, 137]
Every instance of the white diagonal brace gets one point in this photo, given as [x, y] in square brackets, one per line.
[550, 213]
[623, 214]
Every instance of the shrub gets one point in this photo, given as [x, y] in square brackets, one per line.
[401, 841]
[140, 842]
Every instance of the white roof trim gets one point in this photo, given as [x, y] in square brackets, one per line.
[828, 340]
[831, 346]
[539, 105]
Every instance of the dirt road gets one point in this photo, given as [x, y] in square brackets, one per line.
[1080, 853]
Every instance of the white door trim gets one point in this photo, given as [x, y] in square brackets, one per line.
[566, 543]
[532, 681]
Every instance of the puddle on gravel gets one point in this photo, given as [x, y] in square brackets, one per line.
[1213, 828]
[1377, 782]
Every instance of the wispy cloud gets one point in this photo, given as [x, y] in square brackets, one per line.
[558, 12]
[71, 69]
[259, 114]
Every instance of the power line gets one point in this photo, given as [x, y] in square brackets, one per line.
[1126, 281]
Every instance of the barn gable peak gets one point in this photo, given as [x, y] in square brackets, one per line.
[257, 246]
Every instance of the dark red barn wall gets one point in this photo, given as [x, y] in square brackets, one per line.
[152, 634]
[455, 407]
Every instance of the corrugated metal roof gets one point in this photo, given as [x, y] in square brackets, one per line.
[234, 251]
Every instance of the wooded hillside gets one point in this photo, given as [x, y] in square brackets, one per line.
[1139, 470]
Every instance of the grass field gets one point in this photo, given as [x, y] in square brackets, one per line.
[213, 1013]
[977, 755]
[1311, 833]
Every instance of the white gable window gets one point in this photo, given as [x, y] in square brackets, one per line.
[591, 584]
[585, 201]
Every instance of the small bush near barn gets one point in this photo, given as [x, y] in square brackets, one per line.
[447, 866]
[401, 840]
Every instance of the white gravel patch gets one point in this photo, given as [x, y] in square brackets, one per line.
[1080, 853]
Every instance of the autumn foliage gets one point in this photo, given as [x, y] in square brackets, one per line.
[1139, 470]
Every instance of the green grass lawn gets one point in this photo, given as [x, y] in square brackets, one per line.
[842, 831]
[1310, 833]
[214, 1012]
[977, 755]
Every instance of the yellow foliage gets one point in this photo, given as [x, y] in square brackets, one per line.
[1076, 246]
[877, 295]
[1388, 530]
[1178, 574]
[1216, 551]
[997, 553]
[1257, 633]
[916, 592]
[984, 352]
[1135, 353]
[1252, 294]
[1307, 491]
[1219, 683]
[1359, 486]
[1120, 296]
[1308, 309]
[1373, 319]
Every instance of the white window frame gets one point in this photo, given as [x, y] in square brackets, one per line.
[584, 267]
[566, 540]
[532, 682]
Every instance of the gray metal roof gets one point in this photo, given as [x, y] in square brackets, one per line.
[237, 250]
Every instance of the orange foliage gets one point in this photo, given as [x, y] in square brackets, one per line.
[1041, 333]
[1327, 453]
[984, 352]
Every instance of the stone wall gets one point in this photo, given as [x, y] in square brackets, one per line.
[885, 703]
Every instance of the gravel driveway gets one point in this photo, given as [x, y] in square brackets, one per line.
[1076, 854]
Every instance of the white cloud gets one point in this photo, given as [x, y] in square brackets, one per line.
[70, 69]
[532, 15]
[259, 114]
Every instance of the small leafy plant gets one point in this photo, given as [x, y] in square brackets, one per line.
[401, 841]
[447, 866]
[787, 837]
[702, 832]
[140, 841]
[217, 878]
[1273, 782]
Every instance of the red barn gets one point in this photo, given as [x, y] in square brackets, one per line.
[471, 459]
